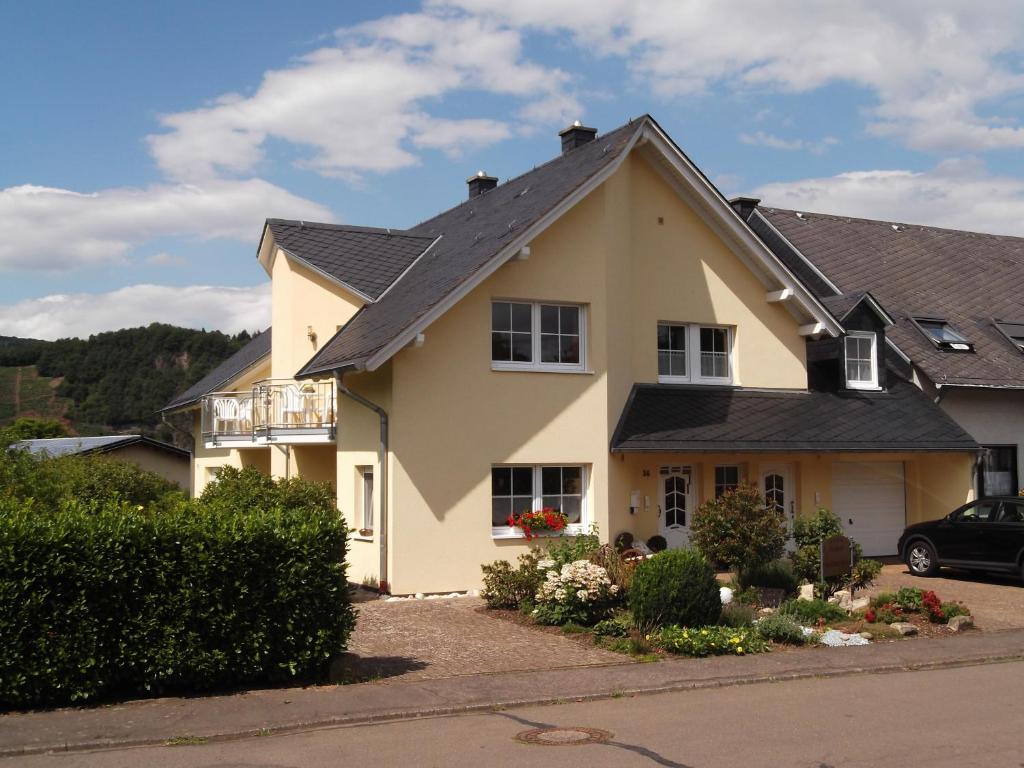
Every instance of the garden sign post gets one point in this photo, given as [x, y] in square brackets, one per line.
[835, 557]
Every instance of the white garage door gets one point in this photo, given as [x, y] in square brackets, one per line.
[869, 498]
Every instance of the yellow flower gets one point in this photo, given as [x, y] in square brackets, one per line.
[739, 649]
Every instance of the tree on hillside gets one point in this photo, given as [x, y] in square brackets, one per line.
[31, 429]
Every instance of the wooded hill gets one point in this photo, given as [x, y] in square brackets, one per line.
[112, 382]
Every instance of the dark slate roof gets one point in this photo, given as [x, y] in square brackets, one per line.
[965, 278]
[243, 359]
[841, 306]
[363, 258]
[472, 234]
[64, 446]
[664, 417]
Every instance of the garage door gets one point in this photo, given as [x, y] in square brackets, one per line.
[869, 498]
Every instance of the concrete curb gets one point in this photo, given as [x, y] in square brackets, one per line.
[507, 702]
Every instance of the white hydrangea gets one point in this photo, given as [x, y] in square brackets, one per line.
[546, 564]
[586, 581]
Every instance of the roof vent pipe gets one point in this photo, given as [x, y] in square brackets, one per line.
[481, 183]
[576, 135]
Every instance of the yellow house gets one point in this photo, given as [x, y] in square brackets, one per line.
[603, 334]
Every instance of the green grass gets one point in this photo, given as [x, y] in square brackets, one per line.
[35, 395]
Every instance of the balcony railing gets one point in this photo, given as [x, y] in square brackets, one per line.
[274, 410]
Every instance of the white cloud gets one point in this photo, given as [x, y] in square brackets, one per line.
[49, 229]
[957, 194]
[164, 259]
[81, 314]
[935, 69]
[765, 139]
[364, 103]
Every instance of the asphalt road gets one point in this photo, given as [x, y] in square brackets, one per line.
[951, 717]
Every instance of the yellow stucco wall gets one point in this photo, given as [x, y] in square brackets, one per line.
[174, 468]
[454, 417]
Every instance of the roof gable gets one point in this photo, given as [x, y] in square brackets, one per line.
[477, 236]
[365, 260]
[66, 446]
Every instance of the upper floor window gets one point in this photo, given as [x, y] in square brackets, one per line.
[694, 353]
[535, 336]
[861, 363]
[943, 335]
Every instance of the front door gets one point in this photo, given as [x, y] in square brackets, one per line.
[675, 506]
[779, 493]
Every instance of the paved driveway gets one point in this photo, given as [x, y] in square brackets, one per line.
[422, 639]
[997, 602]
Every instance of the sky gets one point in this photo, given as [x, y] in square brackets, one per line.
[143, 144]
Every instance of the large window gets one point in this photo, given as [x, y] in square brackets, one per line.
[517, 489]
[694, 354]
[861, 368]
[997, 474]
[536, 336]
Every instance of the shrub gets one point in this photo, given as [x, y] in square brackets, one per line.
[711, 641]
[737, 615]
[569, 549]
[809, 611]
[675, 587]
[780, 628]
[657, 543]
[508, 587]
[579, 592]
[881, 599]
[738, 530]
[101, 599]
[909, 599]
[776, 574]
[614, 627]
[938, 611]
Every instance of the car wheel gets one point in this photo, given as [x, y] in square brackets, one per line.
[921, 559]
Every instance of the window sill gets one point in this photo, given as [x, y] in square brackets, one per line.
[865, 388]
[514, 533]
[687, 380]
[364, 534]
[539, 369]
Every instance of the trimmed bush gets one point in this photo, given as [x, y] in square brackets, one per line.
[104, 599]
[809, 611]
[780, 628]
[508, 587]
[676, 586]
[737, 530]
[777, 574]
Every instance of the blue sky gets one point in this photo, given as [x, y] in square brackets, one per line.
[143, 144]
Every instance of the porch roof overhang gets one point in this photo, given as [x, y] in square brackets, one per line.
[701, 419]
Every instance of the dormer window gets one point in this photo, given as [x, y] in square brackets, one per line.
[861, 360]
[943, 335]
[1014, 332]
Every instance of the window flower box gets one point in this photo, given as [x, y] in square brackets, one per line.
[543, 522]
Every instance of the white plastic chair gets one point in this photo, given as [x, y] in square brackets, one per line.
[294, 406]
[225, 411]
[245, 413]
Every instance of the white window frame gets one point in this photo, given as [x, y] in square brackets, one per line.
[535, 339]
[693, 355]
[573, 529]
[366, 500]
[873, 382]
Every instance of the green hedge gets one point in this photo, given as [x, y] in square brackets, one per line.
[99, 599]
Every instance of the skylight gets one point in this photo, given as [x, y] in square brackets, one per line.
[1012, 331]
[943, 335]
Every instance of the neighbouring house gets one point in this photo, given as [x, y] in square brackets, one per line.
[956, 301]
[164, 459]
[604, 335]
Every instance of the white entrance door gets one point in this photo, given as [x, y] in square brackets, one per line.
[869, 497]
[780, 493]
[675, 506]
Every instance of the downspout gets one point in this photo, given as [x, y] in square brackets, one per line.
[382, 457]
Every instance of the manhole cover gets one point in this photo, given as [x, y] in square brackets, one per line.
[563, 737]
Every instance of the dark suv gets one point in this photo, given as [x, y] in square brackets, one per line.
[984, 535]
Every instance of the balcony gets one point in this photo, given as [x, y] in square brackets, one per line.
[273, 411]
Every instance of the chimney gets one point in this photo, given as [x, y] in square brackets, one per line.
[744, 206]
[481, 183]
[576, 135]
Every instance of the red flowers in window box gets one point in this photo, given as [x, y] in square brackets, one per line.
[547, 519]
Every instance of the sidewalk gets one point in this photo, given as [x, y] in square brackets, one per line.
[273, 711]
